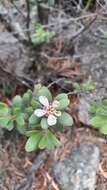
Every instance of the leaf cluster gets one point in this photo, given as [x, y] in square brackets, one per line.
[41, 36]
[20, 115]
[86, 86]
[98, 111]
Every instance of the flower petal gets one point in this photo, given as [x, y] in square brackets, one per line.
[51, 120]
[58, 113]
[55, 103]
[43, 100]
[39, 112]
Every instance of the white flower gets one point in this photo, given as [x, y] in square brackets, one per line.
[49, 110]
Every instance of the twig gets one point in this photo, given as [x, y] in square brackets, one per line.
[89, 54]
[78, 92]
[24, 80]
[69, 20]
[87, 6]
[104, 174]
[28, 19]
[12, 25]
[84, 29]
[99, 3]
[50, 58]
[52, 183]
[38, 162]
[84, 91]
[55, 82]
[19, 10]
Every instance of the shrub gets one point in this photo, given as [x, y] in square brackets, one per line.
[38, 116]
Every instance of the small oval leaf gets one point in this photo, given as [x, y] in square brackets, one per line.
[61, 96]
[65, 119]
[63, 103]
[44, 123]
[32, 142]
[3, 109]
[33, 120]
[44, 91]
[103, 130]
[17, 101]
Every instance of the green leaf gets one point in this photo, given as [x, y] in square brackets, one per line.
[36, 88]
[10, 125]
[32, 142]
[29, 111]
[21, 129]
[103, 130]
[98, 121]
[30, 93]
[41, 36]
[65, 119]
[95, 107]
[20, 119]
[16, 111]
[31, 132]
[63, 103]
[43, 142]
[48, 141]
[58, 127]
[44, 123]
[35, 104]
[44, 91]
[4, 121]
[26, 99]
[7, 122]
[17, 101]
[3, 109]
[90, 85]
[61, 96]
[54, 140]
[34, 120]
[63, 100]
[104, 102]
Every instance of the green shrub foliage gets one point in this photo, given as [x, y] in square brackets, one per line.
[98, 111]
[38, 116]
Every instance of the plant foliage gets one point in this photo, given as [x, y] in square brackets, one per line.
[98, 111]
[41, 36]
[37, 115]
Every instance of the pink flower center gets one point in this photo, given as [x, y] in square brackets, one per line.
[49, 110]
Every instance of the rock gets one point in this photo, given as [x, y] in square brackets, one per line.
[78, 170]
[83, 107]
[93, 63]
[3, 10]
[93, 56]
[13, 20]
[14, 57]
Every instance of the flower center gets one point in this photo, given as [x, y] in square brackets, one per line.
[49, 110]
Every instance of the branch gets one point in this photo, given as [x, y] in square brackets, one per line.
[28, 19]
[17, 8]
